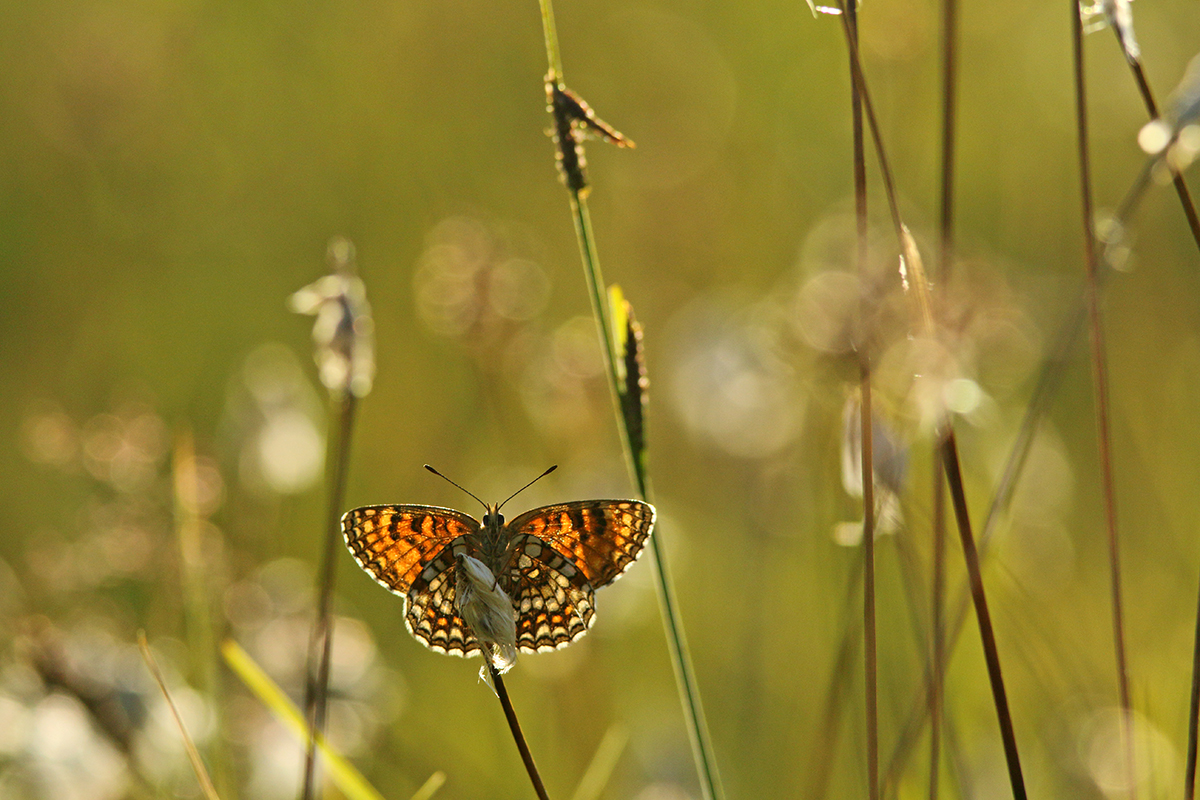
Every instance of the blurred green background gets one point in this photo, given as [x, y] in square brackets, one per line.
[171, 172]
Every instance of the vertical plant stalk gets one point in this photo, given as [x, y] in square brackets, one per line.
[1189, 791]
[1047, 386]
[1189, 211]
[514, 725]
[870, 655]
[949, 445]
[320, 645]
[958, 499]
[197, 608]
[946, 266]
[676, 642]
[937, 644]
[859, 87]
[343, 335]
[1100, 381]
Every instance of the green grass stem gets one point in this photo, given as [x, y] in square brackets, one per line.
[320, 646]
[348, 779]
[676, 642]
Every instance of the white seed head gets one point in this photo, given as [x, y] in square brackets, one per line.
[344, 333]
[487, 610]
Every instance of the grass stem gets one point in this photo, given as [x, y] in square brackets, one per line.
[1189, 791]
[1100, 382]
[870, 654]
[320, 645]
[991, 655]
[945, 269]
[189, 746]
[948, 446]
[514, 725]
[676, 642]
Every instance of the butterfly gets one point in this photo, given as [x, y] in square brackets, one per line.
[548, 561]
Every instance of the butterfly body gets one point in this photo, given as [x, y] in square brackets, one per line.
[549, 561]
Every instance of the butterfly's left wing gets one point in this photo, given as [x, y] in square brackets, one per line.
[602, 538]
[394, 543]
[410, 550]
[432, 616]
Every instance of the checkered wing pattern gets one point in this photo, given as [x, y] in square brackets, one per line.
[432, 617]
[395, 543]
[602, 538]
[553, 599]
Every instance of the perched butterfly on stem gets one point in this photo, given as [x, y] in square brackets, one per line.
[547, 562]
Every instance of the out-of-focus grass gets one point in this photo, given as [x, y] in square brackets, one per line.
[170, 173]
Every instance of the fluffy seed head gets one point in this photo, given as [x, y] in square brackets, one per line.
[487, 610]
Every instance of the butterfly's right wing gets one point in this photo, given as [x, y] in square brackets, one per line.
[601, 537]
[554, 602]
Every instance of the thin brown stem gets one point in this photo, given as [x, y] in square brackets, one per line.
[1189, 211]
[950, 453]
[949, 114]
[990, 653]
[1100, 382]
[1185, 197]
[1189, 791]
[1047, 386]
[514, 725]
[945, 268]
[937, 628]
[320, 646]
[870, 655]
[859, 87]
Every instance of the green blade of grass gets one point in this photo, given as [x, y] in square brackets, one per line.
[603, 762]
[634, 450]
[348, 779]
[430, 787]
[629, 383]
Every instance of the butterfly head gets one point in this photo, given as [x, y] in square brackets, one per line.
[492, 518]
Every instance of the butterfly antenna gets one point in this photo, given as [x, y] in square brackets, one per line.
[526, 486]
[452, 483]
